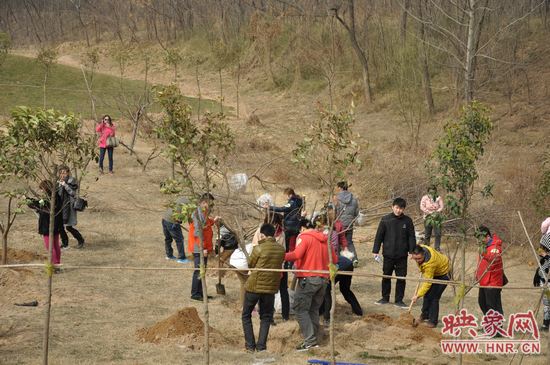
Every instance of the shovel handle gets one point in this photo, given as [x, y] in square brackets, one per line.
[415, 291]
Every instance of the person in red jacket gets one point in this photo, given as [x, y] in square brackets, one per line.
[311, 253]
[490, 272]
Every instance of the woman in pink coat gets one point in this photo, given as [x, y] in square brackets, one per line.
[106, 129]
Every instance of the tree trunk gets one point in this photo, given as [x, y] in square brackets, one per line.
[44, 87]
[332, 292]
[199, 91]
[5, 248]
[426, 79]
[404, 14]
[470, 54]
[221, 90]
[238, 86]
[361, 55]
[46, 338]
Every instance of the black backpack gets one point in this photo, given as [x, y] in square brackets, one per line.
[80, 204]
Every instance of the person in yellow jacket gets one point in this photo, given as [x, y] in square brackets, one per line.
[433, 265]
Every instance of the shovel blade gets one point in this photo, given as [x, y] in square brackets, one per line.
[220, 289]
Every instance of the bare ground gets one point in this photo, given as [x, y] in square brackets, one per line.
[97, 314]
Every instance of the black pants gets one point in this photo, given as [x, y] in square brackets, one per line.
[345, 289]
[283, 288]
[283, 291]
[74, 232]
[489, 299]
[430, 305]
[266, 316]
[428, 228]
[400, 267]
[102, 156]
[172, 231]
[196, 284]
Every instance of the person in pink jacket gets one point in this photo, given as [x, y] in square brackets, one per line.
[545, 226]
[106, 129]
[431, 204]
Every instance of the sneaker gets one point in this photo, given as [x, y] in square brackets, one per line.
[430, 324]
[401, 305]
[64, 247]
[544, 328]
[170, 257]
[183, 261]
[355, 263]
[250, 350]
[303, 347]
[199, 298]
[110, 172]
[80, 244]
[382, 301]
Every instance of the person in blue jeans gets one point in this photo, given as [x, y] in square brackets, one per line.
[172, 232]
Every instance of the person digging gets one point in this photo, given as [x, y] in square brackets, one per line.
[433, 265]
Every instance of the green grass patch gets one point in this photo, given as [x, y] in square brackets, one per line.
[21, 81]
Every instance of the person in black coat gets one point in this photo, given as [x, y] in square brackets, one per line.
[42, 207]
[67, 189]
[344, 264]
[292, 215]
[397, 238]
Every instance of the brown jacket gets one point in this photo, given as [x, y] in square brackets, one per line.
[267, 255]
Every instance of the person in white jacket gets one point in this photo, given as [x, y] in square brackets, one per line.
[431, 205]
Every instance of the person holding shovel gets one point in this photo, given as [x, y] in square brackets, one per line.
[433, 265]
[261, 287]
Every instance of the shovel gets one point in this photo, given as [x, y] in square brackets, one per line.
[220, 288]
[414, 321]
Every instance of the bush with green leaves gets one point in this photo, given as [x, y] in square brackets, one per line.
[36, 142]
[205, 143]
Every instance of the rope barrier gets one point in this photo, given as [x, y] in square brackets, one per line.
[326, 272]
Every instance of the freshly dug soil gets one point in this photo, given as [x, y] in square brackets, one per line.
[184, 327]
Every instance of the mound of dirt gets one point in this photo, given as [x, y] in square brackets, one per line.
[185, 327]
[22, 256]
[403, 325]
[378, 317]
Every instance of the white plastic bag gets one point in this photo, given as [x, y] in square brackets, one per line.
[238, 182]
[361, 220]
[278, 305]
[265, 199]
[238, 258]
[347, 254]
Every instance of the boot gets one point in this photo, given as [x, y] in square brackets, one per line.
[545, 325]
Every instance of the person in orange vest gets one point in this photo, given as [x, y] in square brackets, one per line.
[200, 230]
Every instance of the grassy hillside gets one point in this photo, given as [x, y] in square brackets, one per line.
[21, 81]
